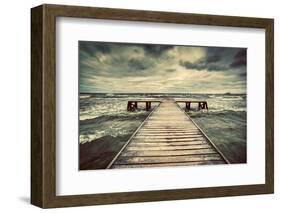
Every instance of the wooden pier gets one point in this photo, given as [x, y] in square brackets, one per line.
[168, 137]
[201, 104]
[133, 105]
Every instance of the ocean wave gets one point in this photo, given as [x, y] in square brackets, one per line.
[111, 117]
[84, 96]
[84, 138]
[232, 98]
[228, 115]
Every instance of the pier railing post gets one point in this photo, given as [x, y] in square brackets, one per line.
[129, 106]
[187, 106]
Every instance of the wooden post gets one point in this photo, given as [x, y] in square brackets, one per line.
[205, 105]
[188, 106]
[130, 106]
[199, 105]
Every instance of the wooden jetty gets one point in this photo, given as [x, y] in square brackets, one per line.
[167, 137]
[201, 104]
[133, 105]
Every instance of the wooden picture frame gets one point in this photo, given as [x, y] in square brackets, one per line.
[43, 105]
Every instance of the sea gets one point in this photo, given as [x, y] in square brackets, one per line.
[104, 117]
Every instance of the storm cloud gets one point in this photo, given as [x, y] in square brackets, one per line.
[137, 64]
[156, 50]
[203, 65]
[92, 49]
[240, 59]
[125, 67]
[218, 59]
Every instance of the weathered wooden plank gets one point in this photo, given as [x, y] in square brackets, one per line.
[193, 163]
[153, 140]
[141, 148]
[169, 126]
[169, 131]
[175, 119]
[167, 159]
[161, 152]
[169, 143]
[178, 123]
[161, 117]
[145, 128]
[167, 136]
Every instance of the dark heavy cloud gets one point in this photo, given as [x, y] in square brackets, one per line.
[156, 50]
[137, 64]
[92, 48]
[218, 59]
[124, 67]
[240, 59]
[203, 65]
[216, 54]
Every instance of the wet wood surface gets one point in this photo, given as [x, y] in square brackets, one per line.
[168, 137]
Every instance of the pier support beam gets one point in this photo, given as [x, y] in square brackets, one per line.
[187, 106]
[202, 105]
[147, 105]
[132, 106]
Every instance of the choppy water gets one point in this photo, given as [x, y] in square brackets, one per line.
[105, 116]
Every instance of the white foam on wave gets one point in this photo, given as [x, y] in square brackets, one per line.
[84, 96]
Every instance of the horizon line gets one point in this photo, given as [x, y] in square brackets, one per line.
[158, 93]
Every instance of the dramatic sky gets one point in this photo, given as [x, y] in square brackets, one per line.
[120, 67]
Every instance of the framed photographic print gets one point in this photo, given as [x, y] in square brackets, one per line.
[136, 106]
